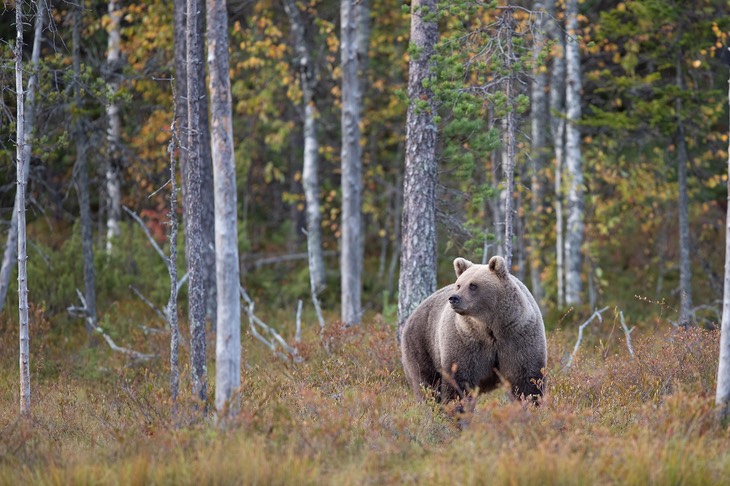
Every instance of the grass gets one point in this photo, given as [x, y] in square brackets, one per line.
[346, 416]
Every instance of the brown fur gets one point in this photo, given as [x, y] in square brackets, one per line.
[492, 330]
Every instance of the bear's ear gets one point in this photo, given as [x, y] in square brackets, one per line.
[460, 266]
[498, 266]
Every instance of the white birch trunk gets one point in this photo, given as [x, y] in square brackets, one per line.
[509, 144]
[538, 125]
[228, 337]
[310, 177]
[22, 163]
[11, 248]
[418, 238]
[574, 228]
[114, 130]
[351, 252]
[557, 131]
[722, 397]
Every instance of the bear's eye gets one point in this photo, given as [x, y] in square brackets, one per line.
[472, 286]
[458, 286]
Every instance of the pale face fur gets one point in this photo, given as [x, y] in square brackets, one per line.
[478, 288]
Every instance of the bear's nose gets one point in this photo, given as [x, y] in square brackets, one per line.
[454, 299]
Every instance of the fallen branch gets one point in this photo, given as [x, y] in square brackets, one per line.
[596, 314]
[254, 321]
[147, 301]
[273, 260]
[627, 332]
[90, 323]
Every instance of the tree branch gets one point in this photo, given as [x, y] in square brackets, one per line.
[96, 328]
[275, 336]
[596, 314]
[627, 332]
[139, 220]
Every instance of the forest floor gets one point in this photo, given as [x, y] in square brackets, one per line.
[345, 416]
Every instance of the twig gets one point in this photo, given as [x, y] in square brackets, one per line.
[596, 314]
[96, 328]
[139, 220]
[627, 332]
[298, 333]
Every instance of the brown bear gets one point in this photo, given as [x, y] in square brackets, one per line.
[474, 334]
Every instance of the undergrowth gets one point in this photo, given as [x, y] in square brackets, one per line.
[346, 416]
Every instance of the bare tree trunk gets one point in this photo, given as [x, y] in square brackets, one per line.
[114, 134]
[539, 123]
[205, 172]
[194, 245]
[82, 181]
[722, 397]
[509, 143]
[310, 178]
[574, 228]
[228, 338]
[11, 248]
[351, 254]
[685, 268]
[557, 131]
[171, 307]
[418, 238]
[397, 228]
[22, 166]
[495, 203]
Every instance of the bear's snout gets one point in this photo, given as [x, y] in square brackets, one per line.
[454, 300]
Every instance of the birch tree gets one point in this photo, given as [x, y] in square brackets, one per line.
[82, 171]
[538, 126]
[228, 336]
[113, 162]
[351, 248]
[11, 246]
[509, 137]
[557, 132]
[22, 167]
[310, 177]
[722, 397]
[418, 238]
[574, 228]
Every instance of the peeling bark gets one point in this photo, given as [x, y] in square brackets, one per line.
[228, 336]
[573, 161]
[351, 249]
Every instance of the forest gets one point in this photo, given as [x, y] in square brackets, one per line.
[216, 217]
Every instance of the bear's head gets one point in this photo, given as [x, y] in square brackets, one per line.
[479, 289]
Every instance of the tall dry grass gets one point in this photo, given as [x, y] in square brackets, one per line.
[346, 416]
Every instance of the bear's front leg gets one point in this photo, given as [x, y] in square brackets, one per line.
[523, 372]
